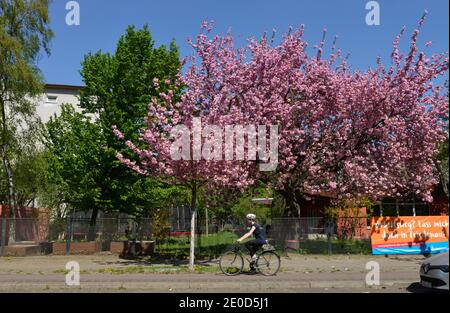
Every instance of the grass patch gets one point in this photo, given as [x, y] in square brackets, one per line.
[142, 270]
[206, 246]
[206, 269]
[334, 270]
[65, 272]
[157, 269]
[338, 246]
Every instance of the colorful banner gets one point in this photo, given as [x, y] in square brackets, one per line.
[409, 234]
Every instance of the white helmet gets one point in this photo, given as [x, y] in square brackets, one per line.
[251, 216]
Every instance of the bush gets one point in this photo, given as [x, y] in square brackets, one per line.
[161, 225]
[338, 246]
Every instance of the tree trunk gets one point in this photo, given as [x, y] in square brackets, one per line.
[193, 221]
[11, 196]
[292, 201]
[207, 222]
[9, 174]
[92, 222]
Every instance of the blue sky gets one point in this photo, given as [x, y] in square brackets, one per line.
[104, 21]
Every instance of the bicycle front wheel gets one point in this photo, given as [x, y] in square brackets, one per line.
[231, 263]
[268, 263]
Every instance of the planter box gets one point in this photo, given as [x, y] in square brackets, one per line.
[118, 247]
[133, 249]
[292, 244]
[148, 247]
[21, 250]
[46, 247]
[59, 248]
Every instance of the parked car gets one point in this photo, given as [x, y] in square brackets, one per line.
[434, 272]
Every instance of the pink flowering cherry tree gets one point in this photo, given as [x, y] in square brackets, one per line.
[373, 133]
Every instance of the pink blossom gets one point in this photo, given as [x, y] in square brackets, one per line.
[367, 129]
[332, 185]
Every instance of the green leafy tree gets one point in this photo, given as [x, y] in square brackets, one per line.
[442, 157]
[74, 158]
[24, 31]
[77, 158]
[76, 154]
[118, 90]
[73, 146]
[443, 166]
[30, 168]
[161, 225]
[26, 166]
[29, 173]
[219, 202]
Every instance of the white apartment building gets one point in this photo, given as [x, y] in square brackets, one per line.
[54, 96]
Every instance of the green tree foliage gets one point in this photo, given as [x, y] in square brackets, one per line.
[75, 152]
[27, 166]
[245, 204]
[219, 202]
[161, 225]
[442, 166]
[77, 164]
[24, 31]
[442, 158]
[118, 89]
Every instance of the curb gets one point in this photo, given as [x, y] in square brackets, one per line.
[192, 286]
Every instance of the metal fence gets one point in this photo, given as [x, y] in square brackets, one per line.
[107, 228]
[321, 235]
[172, 236]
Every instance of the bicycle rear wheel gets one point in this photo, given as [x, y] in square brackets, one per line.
[231, 263]
[268, 263]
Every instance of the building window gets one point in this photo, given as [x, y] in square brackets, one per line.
[51, 99]
[399, 207]
[422, 209]
[389, 208]
[406, 208]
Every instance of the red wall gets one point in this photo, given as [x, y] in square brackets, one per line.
[440, 202]
[359, 224]
[32, 224]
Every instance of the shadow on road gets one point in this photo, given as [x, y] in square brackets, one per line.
[154, 260]
[418, 288]
[144, 261]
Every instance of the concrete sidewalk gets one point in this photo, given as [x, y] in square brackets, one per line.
[200, 282]
[107, 273]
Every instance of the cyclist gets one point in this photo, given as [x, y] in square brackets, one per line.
[253, 245]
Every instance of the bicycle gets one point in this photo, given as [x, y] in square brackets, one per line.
[231, 263]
